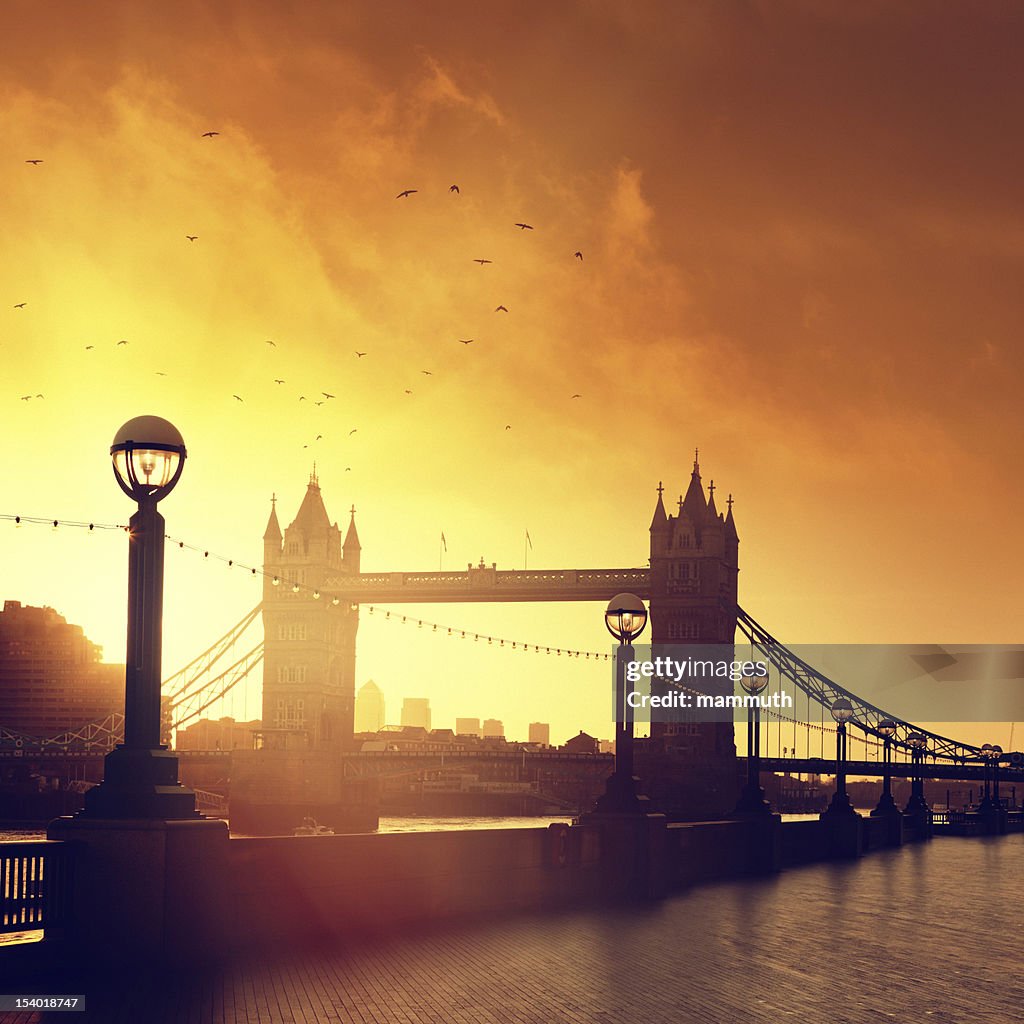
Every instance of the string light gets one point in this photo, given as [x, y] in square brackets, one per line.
[297, 587]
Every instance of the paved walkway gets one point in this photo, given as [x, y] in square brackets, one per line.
[928, 933]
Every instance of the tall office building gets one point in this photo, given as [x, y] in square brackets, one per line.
[467, 726]
[416, 712]
[369, 708]
[540, 732]
[493, 727]
[51, 677]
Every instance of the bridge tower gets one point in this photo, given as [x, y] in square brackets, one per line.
[694, 569]
[309, 645]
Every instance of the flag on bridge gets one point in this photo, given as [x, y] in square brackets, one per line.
[528, 541]
[444, 543]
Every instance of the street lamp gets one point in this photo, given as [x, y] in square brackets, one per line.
[625, 618]
[886, 805]
[986, 756]
[842, 712]
[917, 803]
[995, 754]
[140, 777]
[752, 799]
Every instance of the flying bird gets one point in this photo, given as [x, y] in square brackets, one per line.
[33, 161]
[236, 396]
[501, 309]
[324, 393]
[453, 188]
[577, 396]
[407, 192]
[318, 436]
[26, 398]
[426, 373]
[191, 238]
[578, 254]
[407, 391]
[277, 380]
[20, 305]
[87, 347]
[524, 227]
[123, 341]
[348, 469]
[318, 404]
[360, 354]
[508, 426]
[210, 135]
[160, 373]
[482, 262]
[352, 431]
[302, 398]
[40, 396]
[466, 341]
[272, 343]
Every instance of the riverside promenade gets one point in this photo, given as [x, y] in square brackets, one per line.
[926, 932]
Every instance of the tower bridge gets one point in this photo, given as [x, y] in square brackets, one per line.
[314, 587]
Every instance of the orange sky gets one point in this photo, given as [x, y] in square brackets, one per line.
[801, 225]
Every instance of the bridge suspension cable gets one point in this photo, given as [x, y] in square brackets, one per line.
[204, 662]
[825, 691]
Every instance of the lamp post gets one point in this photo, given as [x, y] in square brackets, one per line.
[995, 754]
[140, 776]
[985, 804]
[917, 803]
[886, 805]
[625, 617]
[752, 799]
[842, 712]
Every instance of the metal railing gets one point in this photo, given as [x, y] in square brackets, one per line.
[35, 885]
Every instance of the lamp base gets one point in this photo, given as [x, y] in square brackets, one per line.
[886, 807]
[140, 783]
[840, 804]
[752, 801]
[620, 797]
[916, 805]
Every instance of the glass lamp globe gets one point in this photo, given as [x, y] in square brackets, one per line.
[887, 727]
[148, 454]
[625, 617]
[842, 710]
[754, 684]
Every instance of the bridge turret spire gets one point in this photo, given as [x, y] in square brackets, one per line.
[712, 511]
[694, 503]
[730, 523]
[273, 530]
[660, 519]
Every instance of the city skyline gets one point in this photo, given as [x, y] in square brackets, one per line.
[794, 265]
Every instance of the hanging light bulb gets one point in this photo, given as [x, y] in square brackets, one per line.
[316, 595]
[276, 582]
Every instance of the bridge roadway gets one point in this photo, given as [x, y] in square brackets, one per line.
[927, 932]
[488, 583]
